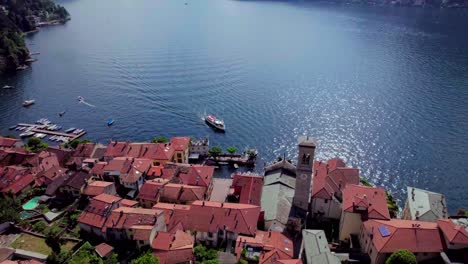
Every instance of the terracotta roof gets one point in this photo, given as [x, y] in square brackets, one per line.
[271, 257]
[372, 199]
[141, 232]
[31, 261]
[98, 168]
[19, 184]
[96, 187]
[103, 249]
[77, 180]
[128, 203]
[175, 215]
[172, 241]
[8, 142]
[415, 236]
[248, 187]
[10, 174]
[128, 217]
[332, 177]
[84, 150]
[168, 173]
[454, 233]
[289, 261]
[155, 171]
[98, 209]
[51, 174]
[62, 154]
[180, 143]
[212, 216]
[182, 193]
[163, 151]
[197, 175]
[42, 161]
[150, 190]
[116, 149]
[120, 164]
[268, 241]
[138, 167]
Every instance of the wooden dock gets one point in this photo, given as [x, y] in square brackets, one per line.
[54, 133]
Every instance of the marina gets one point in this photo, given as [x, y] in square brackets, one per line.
[43, 128]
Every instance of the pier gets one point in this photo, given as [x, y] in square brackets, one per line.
[53, 133]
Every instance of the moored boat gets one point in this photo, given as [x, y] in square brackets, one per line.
[29, 102]
[110, 122]
[8, 87]
[215, 123]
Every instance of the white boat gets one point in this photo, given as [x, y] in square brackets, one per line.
[27, 134]
[70, 130]
[8, 87]
[40, 135]
[28, 102]
[215, 123]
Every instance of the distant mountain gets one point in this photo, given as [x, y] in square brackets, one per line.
[19, 16]
[433, 3]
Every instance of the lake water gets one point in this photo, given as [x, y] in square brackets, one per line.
[384, 88]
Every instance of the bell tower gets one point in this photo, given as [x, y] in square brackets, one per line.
[304, 171]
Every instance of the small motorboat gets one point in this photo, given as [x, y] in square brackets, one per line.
[28, 102]
[12, 127]
[22, 67]
[26, 134]
[8, 87]
[215, 123]
[70, 130]
[80, 99]
[62, 113]
[110, 121]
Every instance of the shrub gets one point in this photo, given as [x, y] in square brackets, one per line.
[39, 226]
[402, 256]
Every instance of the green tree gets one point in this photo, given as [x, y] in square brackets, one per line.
[402, 256]
[210, 261]
[39, 226]
[365, 182]
[215, 151]
[231, 149]
[146, 258]
[203, 254]
[58, 258]
[34, 144]
[112, 259]
[10, 210]
[53, 239]
[159, 139]
[242, 261]
[74, 143]
[392, 205]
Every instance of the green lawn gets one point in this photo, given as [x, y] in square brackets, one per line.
[31, 243]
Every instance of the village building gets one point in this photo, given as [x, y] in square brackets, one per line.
[330, 178]
[361, 203]
[267, 247]
[176, 247]
[455, 233]
[92, 220]
[315, 248]
[104, 250]
[247, 188]
[19, 185]
[200, 147]
[424, 205]
[150, 192]
[181, 146]
[6, 142]
[380, 238]
[73, 183]
[95, 188]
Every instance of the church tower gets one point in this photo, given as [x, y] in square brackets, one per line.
[304, 172]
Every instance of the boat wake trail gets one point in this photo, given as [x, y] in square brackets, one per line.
[86, 103]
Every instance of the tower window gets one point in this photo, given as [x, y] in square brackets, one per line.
[306, 159]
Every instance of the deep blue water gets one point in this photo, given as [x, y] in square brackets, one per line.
[384, 88]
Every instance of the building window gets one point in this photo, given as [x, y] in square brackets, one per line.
[370, 252]
[210, 234]
[326, 200]
[305, 158]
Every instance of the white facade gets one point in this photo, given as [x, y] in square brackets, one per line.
[326, 208]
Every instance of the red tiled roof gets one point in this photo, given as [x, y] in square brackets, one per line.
[163, 152]
[77, 180]
[270, 257]
[138, 167]
[51, 174]
[103, 249]
[175, 256]
[415, 236]
[150, 190]
[182, 192]
[268, 241]
[197, 175]
[120, 164]
[128, 217]
[142, 232]
[180, 143]
[84, 150]
[289, 261]
[172, 241]
[332, 177]
[128, 203]
[116, 149]
[248, 187]
[155, 171]
[10, 174]
[454, 233]
[168, 173]
[42, 161]
[8, 142]
[212, 216]
[371, 198]
[98, 168]
[96, 187]
[174, 214]
[19, 184]
[98, 209]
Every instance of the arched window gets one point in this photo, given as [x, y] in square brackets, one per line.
[305, 158]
